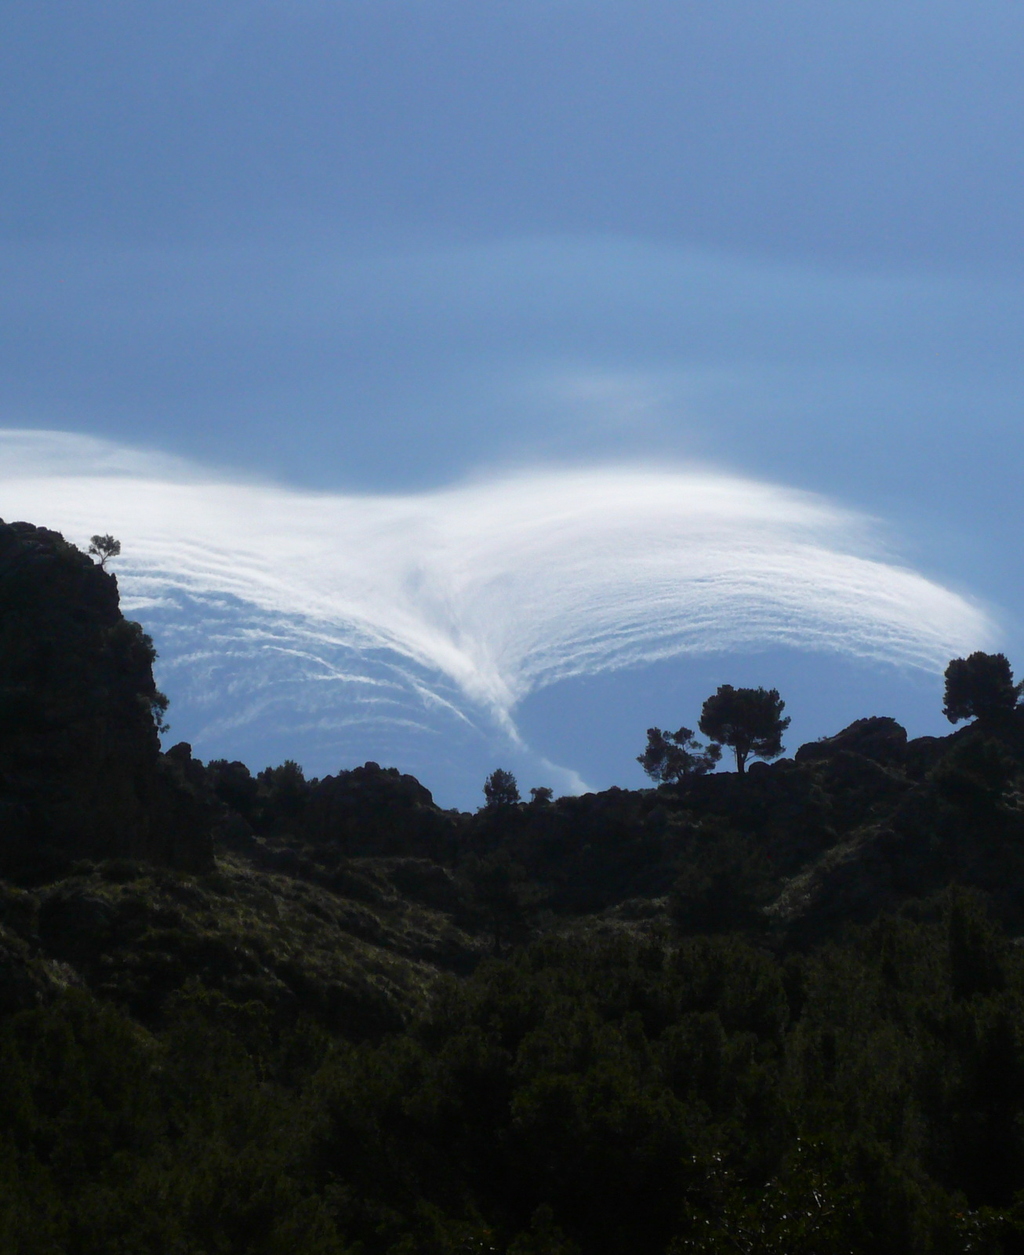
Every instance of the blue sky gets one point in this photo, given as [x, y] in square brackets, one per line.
[393, 249]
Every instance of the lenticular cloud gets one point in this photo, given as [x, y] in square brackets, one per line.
[467, 599]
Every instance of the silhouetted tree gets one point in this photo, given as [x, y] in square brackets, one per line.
[673, 756]
[980, 687]
[500, 789]
[282, 792]
[104, 548]
[542, 796]
[749, 721]
[977, 774]
[235, 786]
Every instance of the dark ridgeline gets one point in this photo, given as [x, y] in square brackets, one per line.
[81, 774]
[778, 1009]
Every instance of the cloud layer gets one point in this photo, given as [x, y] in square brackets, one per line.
[479, 594]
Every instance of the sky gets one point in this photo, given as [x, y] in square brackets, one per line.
[476, 384]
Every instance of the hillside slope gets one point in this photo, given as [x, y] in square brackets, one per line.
[773, 1012]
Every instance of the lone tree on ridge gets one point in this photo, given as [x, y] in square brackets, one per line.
[980, 687]
[104, 548]
[749, 721]
[500, 789]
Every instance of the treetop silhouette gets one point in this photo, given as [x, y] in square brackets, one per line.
[748, 720]
[501, 789]
[980, 687]
[671, 757]
[104, 548]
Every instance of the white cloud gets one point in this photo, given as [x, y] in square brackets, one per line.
[490, 589]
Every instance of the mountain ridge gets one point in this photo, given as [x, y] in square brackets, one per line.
[773, 1011]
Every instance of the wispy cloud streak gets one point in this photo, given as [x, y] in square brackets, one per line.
[496, 588]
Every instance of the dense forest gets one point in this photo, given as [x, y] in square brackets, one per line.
[776, 1009]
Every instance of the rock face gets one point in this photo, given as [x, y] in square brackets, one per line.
[879, 738]
[924, 815]
[373, 810]
[81, 773]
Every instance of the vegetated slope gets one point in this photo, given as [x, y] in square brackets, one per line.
[776, 1012]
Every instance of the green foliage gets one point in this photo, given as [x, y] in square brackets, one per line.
[500, 789]
[235, 786]
[104, 548]
[504, 895]
[671, 757]
[582, 1095]
[980, 687]
[977, 774]
[776, 1014]
[749, 721]
[122, 1142]
[283, 792]
[724, 883]
[800, 1211]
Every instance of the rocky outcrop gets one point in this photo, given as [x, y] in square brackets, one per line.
[374, 810]
[931, 813]
[879, 738]
[81, 773]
